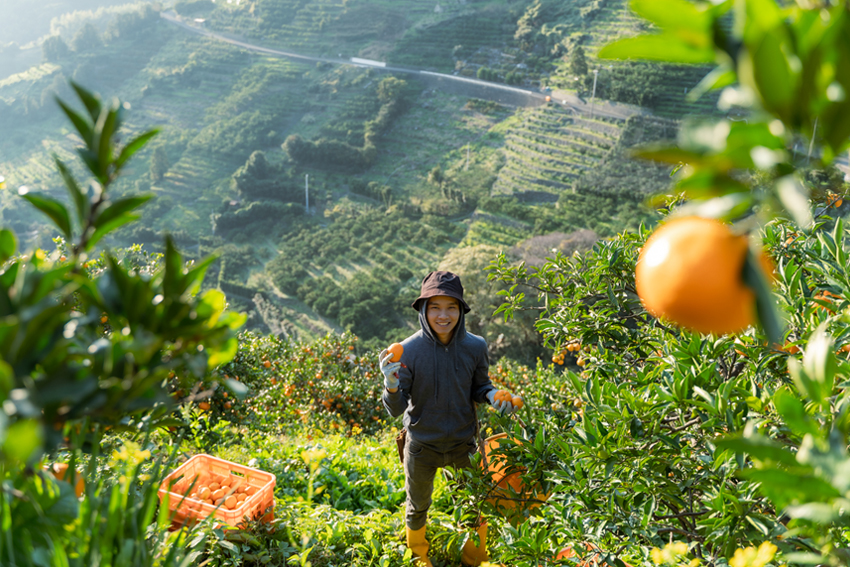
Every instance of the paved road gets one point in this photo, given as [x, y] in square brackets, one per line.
[504, 94]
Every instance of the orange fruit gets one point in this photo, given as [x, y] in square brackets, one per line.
[790, 348]
[267, 363]
[58, 470]
[230, 502]
[396, 350]
[516, 401]
[690, 272]
[204, 406]
[218, 494]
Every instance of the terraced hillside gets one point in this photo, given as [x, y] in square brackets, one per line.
[550, 149]
[607, 21]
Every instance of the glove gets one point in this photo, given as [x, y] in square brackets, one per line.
[503, 401]
[389, 369]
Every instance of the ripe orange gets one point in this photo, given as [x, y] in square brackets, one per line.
[396, 350]
[267, 363]
[204, 406]
[690, 272]
[58, 470]
[516, 401]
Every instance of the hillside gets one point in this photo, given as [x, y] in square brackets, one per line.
[405, 170]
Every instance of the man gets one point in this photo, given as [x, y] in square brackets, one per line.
[443, 373]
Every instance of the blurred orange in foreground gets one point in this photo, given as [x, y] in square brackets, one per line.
[691, 272]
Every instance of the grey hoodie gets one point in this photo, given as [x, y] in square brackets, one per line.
[438, 384]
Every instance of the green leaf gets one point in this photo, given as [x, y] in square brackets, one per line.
[105, 129]
[660, 47]
[813, 511]
[108, 227]
[791, 408]
[84, 129]
[819, 362]
[115, 209]
[788, 486]
[766, 310]
[172, 270]
[53, 209]
[768, 70]
[23, 438]
[237, 388]
[7, 379]
[759, 447]
[718, 78]
[8, 244]
[135, 145]
[803, 558]
[91, 101]
[805, 385]
[80, 200]
[673, 15]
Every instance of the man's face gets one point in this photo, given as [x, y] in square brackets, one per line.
[442, 314]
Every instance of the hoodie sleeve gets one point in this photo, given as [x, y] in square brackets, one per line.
[481, 384]
[396, 402]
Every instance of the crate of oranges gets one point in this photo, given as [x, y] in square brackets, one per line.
[206, 485]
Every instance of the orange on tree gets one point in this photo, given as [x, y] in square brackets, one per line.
[691, 272]
[396, 350]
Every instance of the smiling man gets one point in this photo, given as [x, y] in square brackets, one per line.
[443, 373]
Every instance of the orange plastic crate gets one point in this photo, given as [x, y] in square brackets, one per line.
[187, 510]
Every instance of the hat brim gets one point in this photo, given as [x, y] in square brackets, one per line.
[418, 303]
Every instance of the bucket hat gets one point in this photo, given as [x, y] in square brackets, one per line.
[441, 283]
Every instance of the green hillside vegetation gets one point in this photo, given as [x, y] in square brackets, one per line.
[171, 293]
[426, 171]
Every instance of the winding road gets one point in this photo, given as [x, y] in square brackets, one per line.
[496, 92]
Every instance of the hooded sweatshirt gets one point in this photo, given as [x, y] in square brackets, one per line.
[438, 384]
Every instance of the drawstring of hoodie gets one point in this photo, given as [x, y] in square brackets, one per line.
[426, 328]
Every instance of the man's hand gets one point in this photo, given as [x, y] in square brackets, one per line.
[389, 369]
[503, 401]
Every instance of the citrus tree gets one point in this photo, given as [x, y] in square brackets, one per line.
[709, 408]
[89, 343]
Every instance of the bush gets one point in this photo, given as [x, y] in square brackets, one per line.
[90, 344]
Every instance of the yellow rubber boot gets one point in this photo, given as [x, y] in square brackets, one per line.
[419, 546]
[472, 554]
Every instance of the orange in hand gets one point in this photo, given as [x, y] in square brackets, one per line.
[396, 350]
[516, 401]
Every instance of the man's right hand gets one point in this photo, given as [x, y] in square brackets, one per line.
[389, 369]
